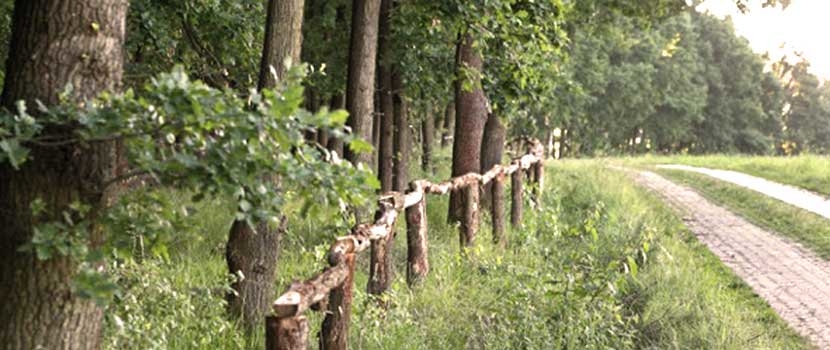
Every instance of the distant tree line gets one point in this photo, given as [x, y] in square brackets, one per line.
[686, 84]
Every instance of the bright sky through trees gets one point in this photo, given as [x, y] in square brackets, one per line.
[803, 27]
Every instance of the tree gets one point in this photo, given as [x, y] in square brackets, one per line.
[470, 117]
[252, 252]
[385, 93]
[361, 83]
[76, 50]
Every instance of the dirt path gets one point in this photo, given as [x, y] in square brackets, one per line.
[794, 281]
[792, 195]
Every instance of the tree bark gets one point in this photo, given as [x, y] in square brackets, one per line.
[380, 263]
[387, 115]
[335, 331]
[427, 139]
[469, 225]
[290, 333]
[449, 124]
[55, 43]
[492, 149]
[401, 134]
[471, 115]
[517, 202]
[417, 265]
[361, 82]
[251, 255]
[251, 252]
[283, 40]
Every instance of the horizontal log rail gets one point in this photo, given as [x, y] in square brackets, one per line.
[331, 289]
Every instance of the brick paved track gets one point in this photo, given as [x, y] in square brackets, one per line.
[794, 281]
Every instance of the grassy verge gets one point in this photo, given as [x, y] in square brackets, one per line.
[810, 172]
[601, 264]
[803, 226]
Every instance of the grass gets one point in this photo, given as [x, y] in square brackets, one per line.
[801, 225]
[811, 172]
[601, 264]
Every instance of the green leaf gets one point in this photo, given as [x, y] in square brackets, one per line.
[360, 146]
[15, 153]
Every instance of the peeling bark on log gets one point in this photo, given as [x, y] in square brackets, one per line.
[516, 202]
[469, 224]
[335, 331]
[289, 333]
[301, 296]
[497, 211]
[380, 265]
[417, 265]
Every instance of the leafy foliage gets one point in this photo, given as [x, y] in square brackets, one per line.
[184, 134]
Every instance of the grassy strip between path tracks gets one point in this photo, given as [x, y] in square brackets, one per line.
[803, 226]
[811, 172]
[602, 264]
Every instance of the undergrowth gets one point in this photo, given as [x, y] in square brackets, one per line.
[599, 264]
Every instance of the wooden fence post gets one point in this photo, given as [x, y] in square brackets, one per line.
[469, 224]
[497, 210]
[380, 265]
[516, 195]
[417, 263]
[335, 332]
[289, 333]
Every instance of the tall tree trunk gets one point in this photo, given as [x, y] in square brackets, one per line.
[283, 40]
[470, 117]
[427, 136]
[361, 82]
[449, 123]
[401, 134]
[54, 44]
[387, 127]
[251, 252]
[492, 149]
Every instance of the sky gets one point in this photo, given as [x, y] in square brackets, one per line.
[803, 27]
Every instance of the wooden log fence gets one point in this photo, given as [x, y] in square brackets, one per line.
[331, 290]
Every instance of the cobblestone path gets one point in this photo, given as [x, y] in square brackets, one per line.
[793, 280]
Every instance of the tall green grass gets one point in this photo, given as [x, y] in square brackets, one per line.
[600, 264]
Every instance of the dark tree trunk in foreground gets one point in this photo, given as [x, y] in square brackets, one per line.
[53, 44]
[361, 83]
[449, 124]
[401, 134]
[251, 252]
[387, 119]
[470, 117]
[492, 148]
[427, 139]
